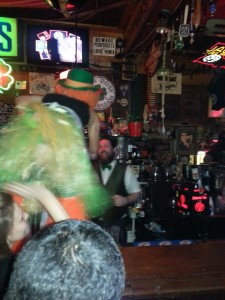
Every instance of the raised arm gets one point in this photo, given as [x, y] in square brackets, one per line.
[43, 195]
[93, 133]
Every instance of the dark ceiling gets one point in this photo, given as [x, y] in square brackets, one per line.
[119, 14]
[96, 12]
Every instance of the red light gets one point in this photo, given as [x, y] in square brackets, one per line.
[199, 207]
[183, 202]
[196, 198]
[200, 198]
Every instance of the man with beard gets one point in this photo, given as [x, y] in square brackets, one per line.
[121, 183]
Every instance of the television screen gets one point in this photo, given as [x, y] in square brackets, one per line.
[53, 45]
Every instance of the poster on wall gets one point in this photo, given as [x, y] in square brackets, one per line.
[41, 83]
[104, 46]
[173, 84]
[186, 140]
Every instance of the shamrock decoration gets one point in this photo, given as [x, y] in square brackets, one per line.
[103, 93]
[6, 80]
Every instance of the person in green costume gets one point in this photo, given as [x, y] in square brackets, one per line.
[44, 145]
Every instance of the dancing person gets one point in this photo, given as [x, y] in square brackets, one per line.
[14, 223]
[79, 85]
[14, 226]
[45, 144]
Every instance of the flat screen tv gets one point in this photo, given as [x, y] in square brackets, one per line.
[57, 46]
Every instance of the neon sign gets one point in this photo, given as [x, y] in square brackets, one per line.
[199, 207]
[193, 201]
[8, 37]
[6, 80]
[214, 57]
[199, 198]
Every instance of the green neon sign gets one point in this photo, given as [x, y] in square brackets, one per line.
[6, 80]
[8, 37]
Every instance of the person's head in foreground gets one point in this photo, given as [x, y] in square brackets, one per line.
[70, 260]
[14, 225]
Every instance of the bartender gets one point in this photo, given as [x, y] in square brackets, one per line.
[122, 184]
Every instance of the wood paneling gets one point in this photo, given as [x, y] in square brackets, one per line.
[174, 271]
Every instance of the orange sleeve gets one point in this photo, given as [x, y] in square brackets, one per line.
[18, 199]
[72, 205]
[18, 245]
[74, 208]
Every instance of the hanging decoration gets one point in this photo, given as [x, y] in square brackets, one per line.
[6, 80]
[164, 69]
[212, 7]
[173, 84]
[153, 58]
[68, 7]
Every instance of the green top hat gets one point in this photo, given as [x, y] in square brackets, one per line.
[79, 79]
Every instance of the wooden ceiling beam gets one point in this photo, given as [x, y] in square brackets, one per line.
[137, 21]
[106, 8]
[146, 12]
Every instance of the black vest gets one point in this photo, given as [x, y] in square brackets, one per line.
[115, 185]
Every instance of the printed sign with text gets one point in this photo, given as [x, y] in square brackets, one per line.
[172, 84]
[104, 46]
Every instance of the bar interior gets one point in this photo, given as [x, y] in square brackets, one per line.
[160, 66]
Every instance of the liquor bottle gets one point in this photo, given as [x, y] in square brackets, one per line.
[142, 173]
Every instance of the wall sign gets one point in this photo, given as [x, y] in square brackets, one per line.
[6, 80]
[108, 94]
[8, 37]
[215, 56]
[172, 84]
[104, 46]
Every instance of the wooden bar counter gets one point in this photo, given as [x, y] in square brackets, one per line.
[195, 271]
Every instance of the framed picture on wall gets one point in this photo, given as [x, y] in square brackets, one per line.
[185, 140]
[41, 83]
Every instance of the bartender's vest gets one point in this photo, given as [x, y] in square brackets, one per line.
[115, 185]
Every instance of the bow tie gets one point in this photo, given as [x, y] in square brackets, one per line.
[104, 167]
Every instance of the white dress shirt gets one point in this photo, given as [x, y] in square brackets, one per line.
[130, 180]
